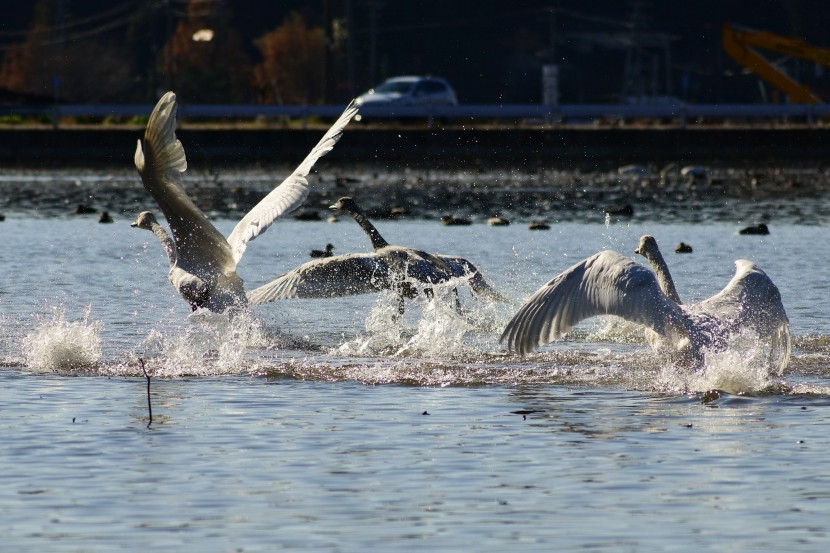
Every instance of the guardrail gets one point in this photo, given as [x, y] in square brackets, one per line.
[680, 114]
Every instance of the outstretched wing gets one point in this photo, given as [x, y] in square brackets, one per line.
[290, 194]
[750, 299]
[160, 160]
[339, 275]
[606, 283]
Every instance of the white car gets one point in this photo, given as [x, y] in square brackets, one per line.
[410, 91]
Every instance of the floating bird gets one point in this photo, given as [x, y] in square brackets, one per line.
[622, 210]
[202, 262]
[308, 215]
[105, 217]
[328, 252]
[388, 267]
[538, 225]
[683, 247]
[759, 229]
[497, 221]
[452, 221]
[608, 283]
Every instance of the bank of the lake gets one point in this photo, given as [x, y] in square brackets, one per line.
[423, 147]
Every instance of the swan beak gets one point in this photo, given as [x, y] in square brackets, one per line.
[334, 206]
[637, 251]
[133, 225]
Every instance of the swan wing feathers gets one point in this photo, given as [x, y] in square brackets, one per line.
[160, 160]
[749, 299]
[289, 195]
[606, 283]
[339, 275]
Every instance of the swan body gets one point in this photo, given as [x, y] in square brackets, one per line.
[387, 267]
[608, 283]
[202, 261]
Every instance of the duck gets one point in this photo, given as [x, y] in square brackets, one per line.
[453, 221]
[497, 221]
[683, 247]
[387, 267]
[538, 225]
[327, 252]
[202, 261]
[105, 218]
[620, 210]
[759, 229]
[609, 283]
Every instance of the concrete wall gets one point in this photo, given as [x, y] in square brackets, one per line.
[423, 147]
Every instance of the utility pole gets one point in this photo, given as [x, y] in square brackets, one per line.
[374, 13]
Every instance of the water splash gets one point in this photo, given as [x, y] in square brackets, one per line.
[430, 328]
[212, 344]
[58, 345]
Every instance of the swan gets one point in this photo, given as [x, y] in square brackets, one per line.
[388, 267]
[202, 261]
[608, 283]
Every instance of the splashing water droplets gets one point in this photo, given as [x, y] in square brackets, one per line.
[59, 345]
[212, 344]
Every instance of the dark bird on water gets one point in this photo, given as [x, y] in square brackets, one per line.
[759, 229]
[328, 252]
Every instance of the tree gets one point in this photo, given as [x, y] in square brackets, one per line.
[204, 61]
[55, 57]
[292, 67]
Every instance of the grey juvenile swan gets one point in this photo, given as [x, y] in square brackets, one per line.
[202, 262]
[387, 267]
[608, 283]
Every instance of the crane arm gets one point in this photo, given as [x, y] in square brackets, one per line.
[738, 43]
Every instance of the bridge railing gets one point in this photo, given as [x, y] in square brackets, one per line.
[473, 114]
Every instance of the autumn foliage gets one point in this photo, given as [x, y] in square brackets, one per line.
[291, 71]
[201, 56]
[215, 70]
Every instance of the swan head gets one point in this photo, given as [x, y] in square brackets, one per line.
[647, 247]
[145, 220]
[346, 204]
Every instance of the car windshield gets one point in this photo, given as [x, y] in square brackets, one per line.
[401, 87]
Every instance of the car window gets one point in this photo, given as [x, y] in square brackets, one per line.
[401, 87]
[432, 87]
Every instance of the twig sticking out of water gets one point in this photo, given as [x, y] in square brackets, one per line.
[149, 405]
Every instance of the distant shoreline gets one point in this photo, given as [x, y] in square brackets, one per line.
[420, 147]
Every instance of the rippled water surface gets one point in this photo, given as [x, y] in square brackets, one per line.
[331, 425]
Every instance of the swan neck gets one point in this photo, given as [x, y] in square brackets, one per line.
[664, 279]
[166, 241]
[378, 241]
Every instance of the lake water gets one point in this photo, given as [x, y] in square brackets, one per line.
[329, 425]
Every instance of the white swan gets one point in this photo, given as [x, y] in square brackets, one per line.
[607, 283]
[388, 267]
[202, 262]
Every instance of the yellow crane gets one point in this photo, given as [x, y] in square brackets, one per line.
[741, 43]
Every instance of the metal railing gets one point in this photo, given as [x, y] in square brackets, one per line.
[679, 114]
